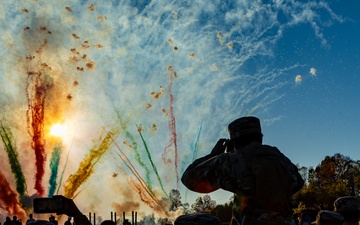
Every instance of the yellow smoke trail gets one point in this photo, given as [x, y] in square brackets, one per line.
[86, 166]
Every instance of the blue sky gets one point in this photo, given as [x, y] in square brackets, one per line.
[179, 73]
[320, 115]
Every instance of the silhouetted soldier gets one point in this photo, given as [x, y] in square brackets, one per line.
[262, 179]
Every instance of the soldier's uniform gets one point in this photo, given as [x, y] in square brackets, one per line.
[230, 171]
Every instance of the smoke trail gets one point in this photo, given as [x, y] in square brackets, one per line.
[152, 163]
[196, 145]
[63, 171]
[142, 188]
[172, 126]
[134, 146]
[195, 152]
[36, 96]
[54, 166]
[157, 206]
[64, 168]
[9, 198]
[10, 148]
[86, 166]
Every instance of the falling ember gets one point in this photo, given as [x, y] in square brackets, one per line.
[68, 9]
[192, 54]
[166, 113]
[313, 71]
[139, 128]
[75, 36]
[91, 7]
[148, 106]
[298, 79]
[102, 18]
[90, 65]
[153, 127]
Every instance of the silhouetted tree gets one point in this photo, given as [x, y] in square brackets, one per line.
[204, 204]
[334, 177]
[175, 200]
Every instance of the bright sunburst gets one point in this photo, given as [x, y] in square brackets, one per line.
[57, 130]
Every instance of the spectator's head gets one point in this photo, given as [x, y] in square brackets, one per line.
[31, 215]
[349, 207]
[197, 219]
[326, 217]
[14, 218]
[245, 130]
[107, 222]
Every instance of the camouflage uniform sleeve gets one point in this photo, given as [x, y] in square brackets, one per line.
[199, 176]
[298, 181]
[210, 173]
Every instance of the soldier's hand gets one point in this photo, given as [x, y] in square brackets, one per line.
[219, 147]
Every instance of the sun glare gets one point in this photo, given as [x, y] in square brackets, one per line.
[57, 130]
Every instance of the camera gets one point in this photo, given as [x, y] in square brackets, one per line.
[229, 145]
[48, 205]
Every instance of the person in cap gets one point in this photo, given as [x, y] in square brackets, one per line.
[262, 179]
[349, 207]
[326, 217]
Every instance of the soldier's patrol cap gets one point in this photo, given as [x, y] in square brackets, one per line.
[197, 219]
[347, 204]
[327, 217]
[244, 125]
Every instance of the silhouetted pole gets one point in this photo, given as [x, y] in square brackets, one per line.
[132, 215]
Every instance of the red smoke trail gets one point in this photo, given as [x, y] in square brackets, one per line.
[9, 198]
[172, 126]
[153, 202]
[158, 207]
[36, 96]
[127, 162]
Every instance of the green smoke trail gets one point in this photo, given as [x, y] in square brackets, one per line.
[10, 148]
[134, 145]
[195, 152]
[152, 163]
[54, 166]
[196, 145]
[62, 173]
[138, 158]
